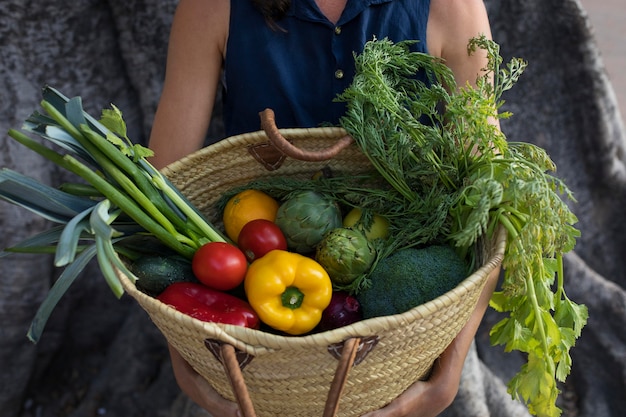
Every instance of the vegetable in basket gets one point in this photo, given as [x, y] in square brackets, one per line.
[343, 310]
[305, 217]
[219, 265]
[411, 277]
[206, 304]
[346, 254]
[373, 225]
[259, 237]
[156, 272]
[288, 291]
[245, 206]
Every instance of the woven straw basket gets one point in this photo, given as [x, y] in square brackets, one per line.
[344, 372]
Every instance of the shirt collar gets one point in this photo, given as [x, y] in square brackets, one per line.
[308, 10]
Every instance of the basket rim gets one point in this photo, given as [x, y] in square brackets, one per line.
[251, 138]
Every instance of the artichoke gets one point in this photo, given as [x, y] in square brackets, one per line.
[345, 253]
[305, 218]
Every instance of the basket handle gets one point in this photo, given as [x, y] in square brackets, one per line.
[233, 371]
[348, 354]
[268, 124]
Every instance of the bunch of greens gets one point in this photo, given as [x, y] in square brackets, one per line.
[436, 144]
[122, 200]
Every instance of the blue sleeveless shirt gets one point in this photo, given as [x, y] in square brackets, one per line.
[299, 71]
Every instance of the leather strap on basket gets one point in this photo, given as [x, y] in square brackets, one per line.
[348, 354]
[267, 154]
[227, 355]
[215, 347]
[366, 345]
[268, 124]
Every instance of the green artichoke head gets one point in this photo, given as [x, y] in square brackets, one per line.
[305, 218]
[346, 254]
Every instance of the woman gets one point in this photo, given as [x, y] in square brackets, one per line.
[295, 56]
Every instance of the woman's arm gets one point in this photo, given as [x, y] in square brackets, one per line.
[451, 25]
[194, 62]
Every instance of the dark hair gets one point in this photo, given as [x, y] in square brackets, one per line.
[272, 10]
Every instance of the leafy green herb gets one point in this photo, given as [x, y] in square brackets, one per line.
[435, 141]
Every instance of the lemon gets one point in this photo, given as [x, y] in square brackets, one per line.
[379, 229]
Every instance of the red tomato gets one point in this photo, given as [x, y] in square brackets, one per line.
[219, 265]
[258, 237]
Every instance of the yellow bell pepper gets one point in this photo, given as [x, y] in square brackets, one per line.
[288, 291]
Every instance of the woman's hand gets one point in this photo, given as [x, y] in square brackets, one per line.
[199, 390]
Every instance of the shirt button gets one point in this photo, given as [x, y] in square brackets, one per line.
[337, 30]
[339, 74]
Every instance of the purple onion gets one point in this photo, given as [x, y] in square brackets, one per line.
[343, 310]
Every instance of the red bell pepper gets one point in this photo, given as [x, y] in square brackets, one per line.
[206, 304]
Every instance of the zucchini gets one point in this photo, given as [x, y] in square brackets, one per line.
[156, 272]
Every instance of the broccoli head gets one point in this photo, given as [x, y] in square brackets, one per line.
[411, 277]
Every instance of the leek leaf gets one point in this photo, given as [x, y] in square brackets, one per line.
[57, 291]
[44, 200]
[71, 235]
